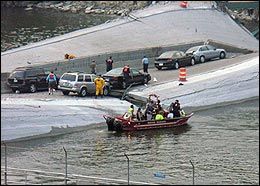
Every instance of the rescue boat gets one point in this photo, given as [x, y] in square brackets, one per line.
[124, 123]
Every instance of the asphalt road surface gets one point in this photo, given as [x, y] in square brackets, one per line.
[161, 76]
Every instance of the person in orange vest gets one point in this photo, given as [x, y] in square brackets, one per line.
[100, 83]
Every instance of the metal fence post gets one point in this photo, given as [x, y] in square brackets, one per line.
[5, 163]
[25, 178]
[127, 168]
[192, 172]
[66, 165]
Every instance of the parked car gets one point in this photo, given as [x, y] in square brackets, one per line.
[80, 83]
[173, 59]
[206, 52]
[116, 79]
[28, 79]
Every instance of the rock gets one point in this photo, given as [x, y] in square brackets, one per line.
[122, 12]
[65, 8]
[74, 10]
[29, 8]
[47, 4]
[30, 5]
[98, 11]
[58, 5]
[88, 11]
[39, 5]
[89, 8]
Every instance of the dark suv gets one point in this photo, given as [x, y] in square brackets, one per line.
[28, 79]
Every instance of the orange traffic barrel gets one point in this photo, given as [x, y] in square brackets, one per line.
[183, 4]
[182, 74]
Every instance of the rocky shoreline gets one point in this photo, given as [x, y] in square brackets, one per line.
[249, 18]
[120, 8]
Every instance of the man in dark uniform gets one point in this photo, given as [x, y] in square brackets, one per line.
[109, 63]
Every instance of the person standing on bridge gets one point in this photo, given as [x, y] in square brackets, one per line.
[145, 62]
[109, 63]
[93, 67]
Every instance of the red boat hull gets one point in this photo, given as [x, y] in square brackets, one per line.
[121, 124]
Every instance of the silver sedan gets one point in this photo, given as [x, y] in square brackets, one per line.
[206, 52]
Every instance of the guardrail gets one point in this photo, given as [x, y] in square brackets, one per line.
[71, 178]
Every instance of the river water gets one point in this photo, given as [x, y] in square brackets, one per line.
[20, 27]
[221, 142]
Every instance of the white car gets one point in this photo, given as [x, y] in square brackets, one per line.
[206, 52]
[80, 83]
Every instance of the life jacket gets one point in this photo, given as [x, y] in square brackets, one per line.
[159, 117]
[130, 111]
[109, 61]
[126, 69]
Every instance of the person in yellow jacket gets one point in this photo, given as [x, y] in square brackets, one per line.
[159, 116]
[100, 83]
[130, 113]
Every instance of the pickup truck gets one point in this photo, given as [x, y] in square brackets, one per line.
[28, 79]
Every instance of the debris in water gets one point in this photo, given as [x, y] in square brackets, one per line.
[159, 175]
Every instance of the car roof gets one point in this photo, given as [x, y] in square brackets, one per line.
[117, 71]
[114, 69]
[79, 73]
[26, 68]
[169, 54]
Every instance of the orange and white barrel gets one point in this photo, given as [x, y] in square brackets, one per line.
[184, 4]
[182, 74]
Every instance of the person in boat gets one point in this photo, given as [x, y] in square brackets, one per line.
[131, 111]
[175, 108]
[170, 115]
[158, 104]
[149, 110]
[139, 114]
[159, 116]
[159, 109]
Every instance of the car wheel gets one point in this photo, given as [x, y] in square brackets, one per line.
[33, 88]
[159, 68]
[192, 62]
[222, 55]
[106, 91]
[65, 92]
[202, 59]
[83, 92]
[14, 90]
[124, 85]
[176, 65]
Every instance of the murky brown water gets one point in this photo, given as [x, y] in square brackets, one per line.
[222, 143]
[20, 27]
